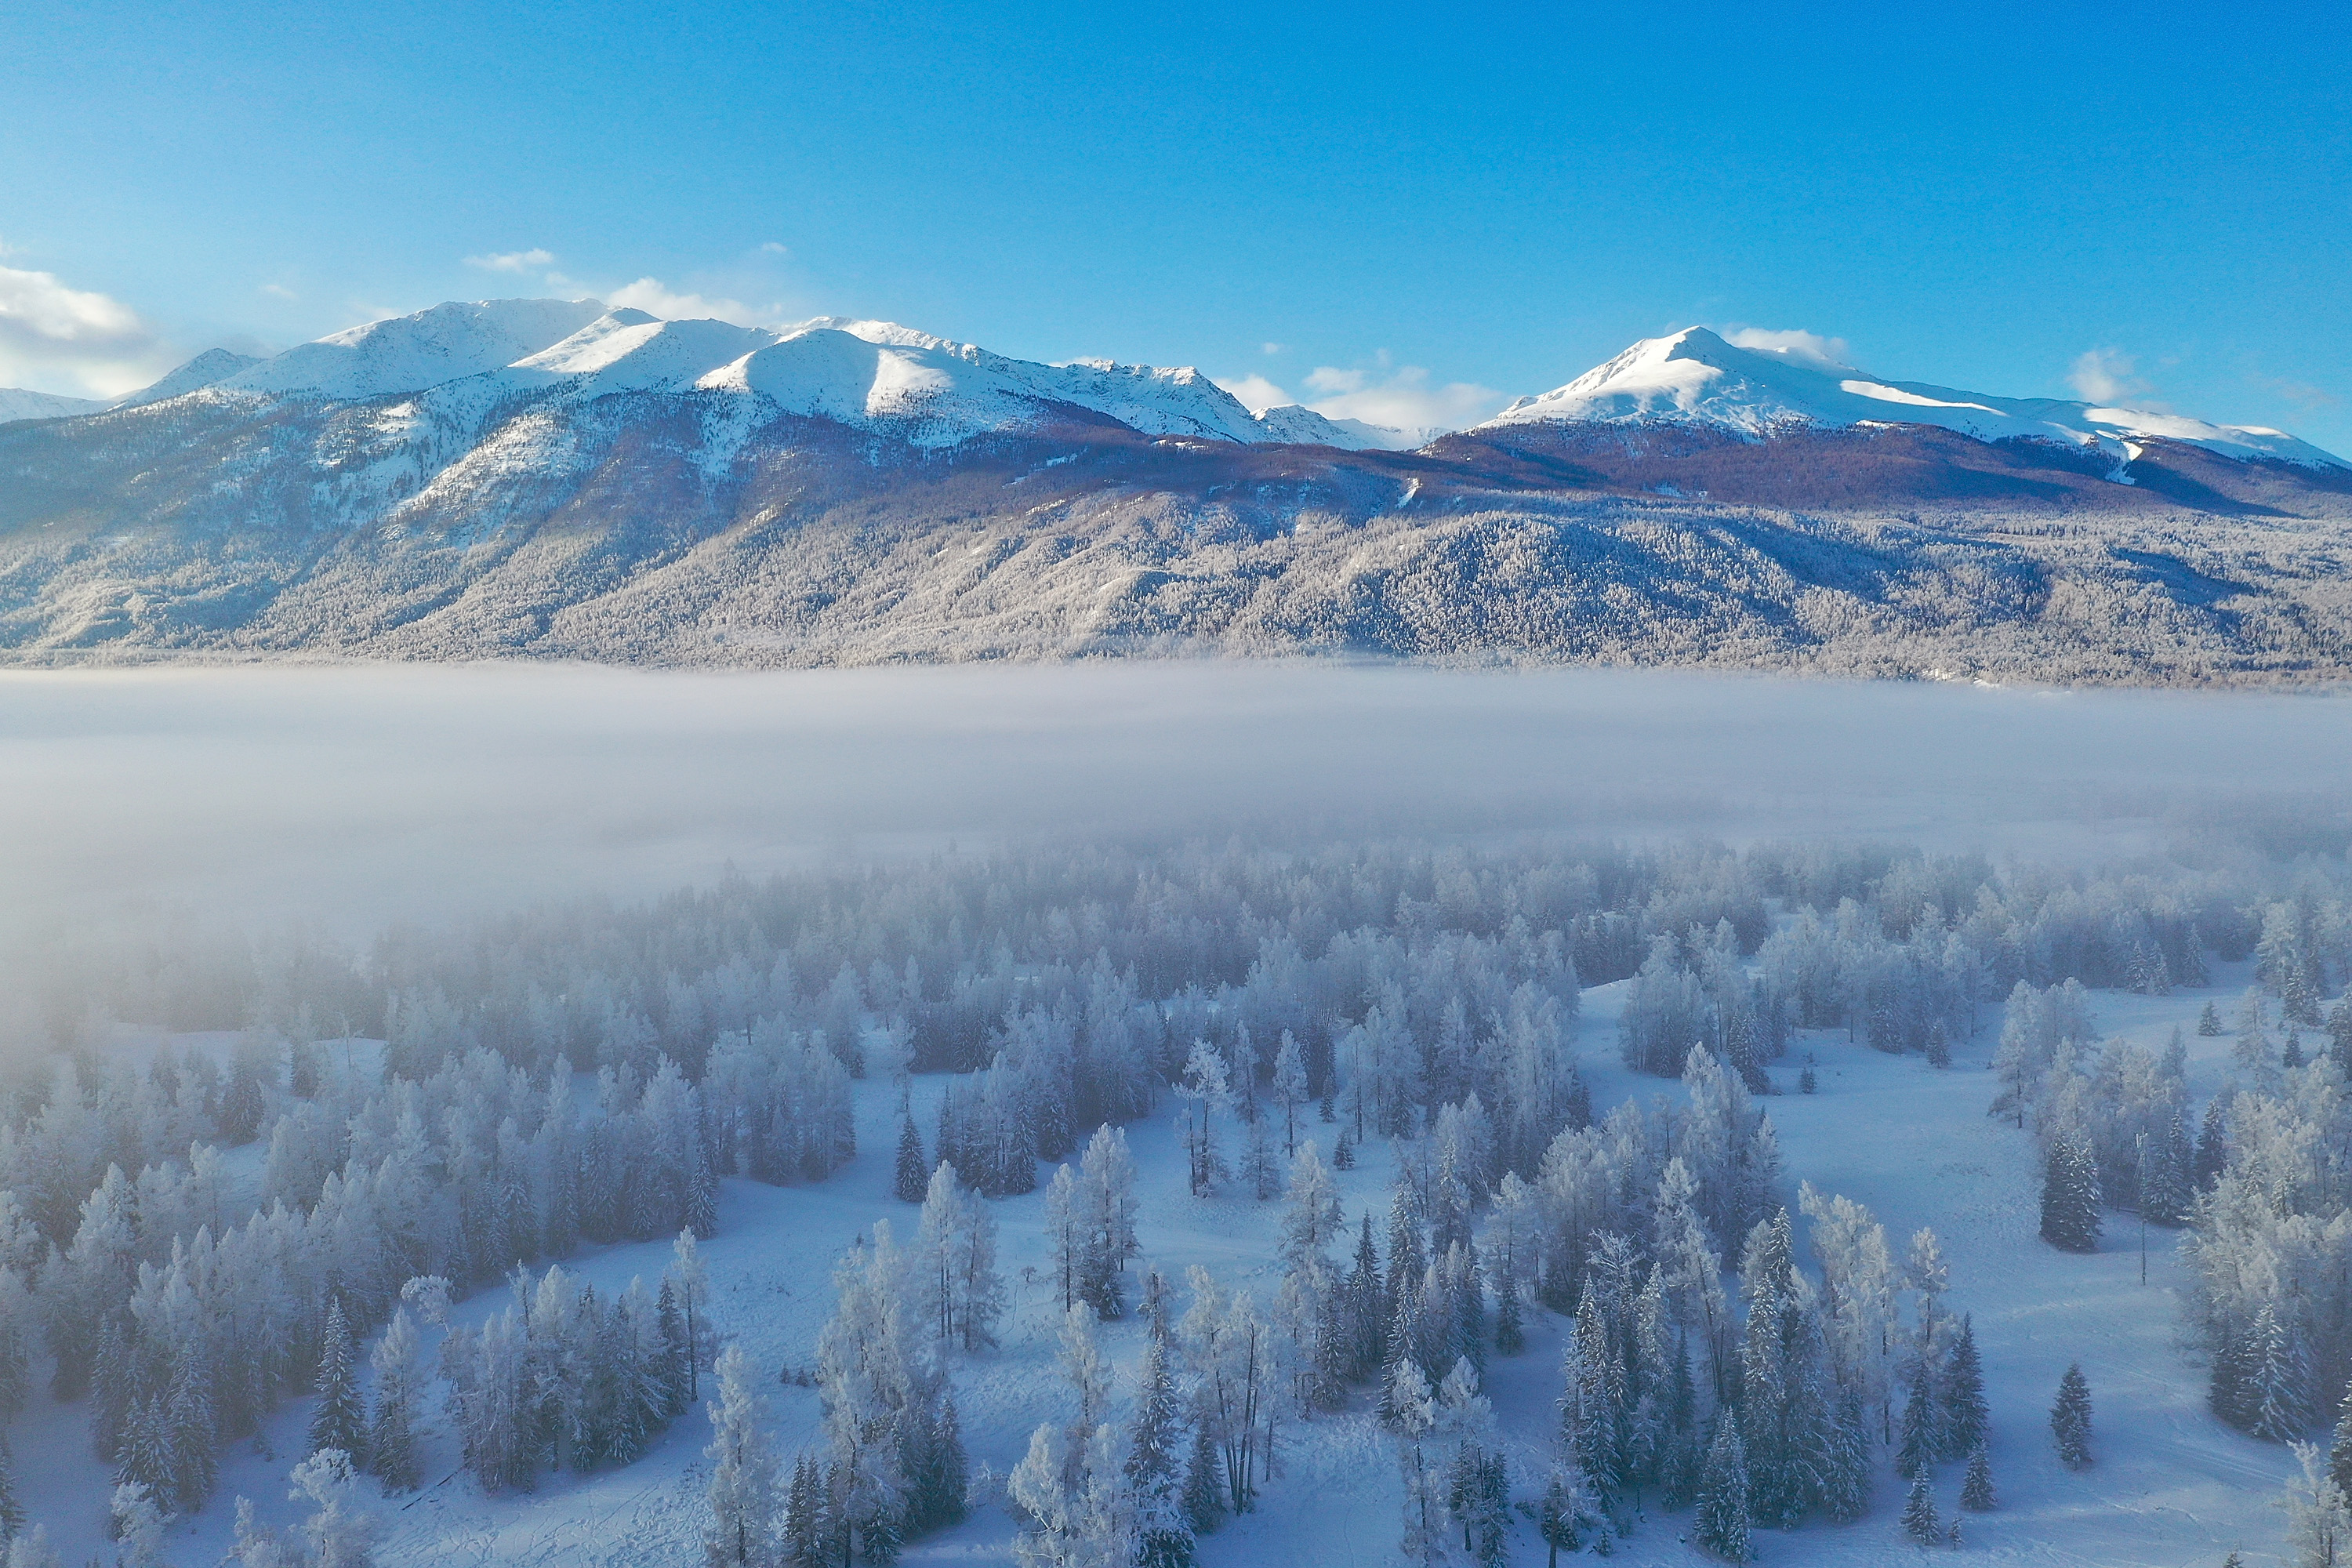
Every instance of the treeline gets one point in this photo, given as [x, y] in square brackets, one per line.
[944, 949]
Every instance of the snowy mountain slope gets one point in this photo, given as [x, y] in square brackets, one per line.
[17, 404]
[1301, 426]
[207, 369]
[409, 354]
[1696, 377]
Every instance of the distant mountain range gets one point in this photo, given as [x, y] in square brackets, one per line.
[552, 479]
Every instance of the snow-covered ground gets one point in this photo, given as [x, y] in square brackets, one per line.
[2171, 1485]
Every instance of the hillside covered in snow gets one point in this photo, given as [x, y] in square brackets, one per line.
[549, 478]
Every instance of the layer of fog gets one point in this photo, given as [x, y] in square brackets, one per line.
[351, 796]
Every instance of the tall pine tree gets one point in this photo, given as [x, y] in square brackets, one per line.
[1722, 1526]
[340, 1420]
[2070, 1418]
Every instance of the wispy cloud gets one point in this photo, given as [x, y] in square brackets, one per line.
[59, 339]
[1400, 396]
[1806, 348]
[775, 247]
[1403, 397]
[656, 297]
[279, 291]
[2300, 392]
[512, 261]
[2107, 376]
[1256, 394]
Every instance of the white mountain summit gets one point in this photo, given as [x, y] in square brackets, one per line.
[928, 390]
[1696, 377]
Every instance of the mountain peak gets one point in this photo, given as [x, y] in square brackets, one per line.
[1696, 376]
[423, 349]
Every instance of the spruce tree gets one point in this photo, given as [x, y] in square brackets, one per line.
[2069, 1419]
[1680, 1458]
[1204, 1482]
[2213, 1141]
[12, 1512]
[1845, 1478]
[914, 1177]
[1965, 1415]
[2209, 1022]
[1976, 1488]
[2069, 1195]
[1919, 1519]
[2276, 1398]
[1722, 1525]
[804, 1542]
[392, 1435]
[1511, 1337]
[2340, 1445]
[1918, 1449]
[1155, 1463]
[340, 1420]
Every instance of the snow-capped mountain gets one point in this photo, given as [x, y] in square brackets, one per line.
[207, 369]
[17, 404]
[928, 391]
[1696, 377]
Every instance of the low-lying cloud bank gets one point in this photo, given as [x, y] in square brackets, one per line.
[346, 797]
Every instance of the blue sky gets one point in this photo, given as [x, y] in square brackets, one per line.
[1397, 209]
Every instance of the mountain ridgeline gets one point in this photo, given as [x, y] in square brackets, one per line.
[549, 479]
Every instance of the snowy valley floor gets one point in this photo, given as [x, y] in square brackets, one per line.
[2171, 1488]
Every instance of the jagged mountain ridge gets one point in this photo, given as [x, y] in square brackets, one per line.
[695, 492]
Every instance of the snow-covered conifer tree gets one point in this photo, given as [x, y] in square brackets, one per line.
[1722, 1525]
[399, 1381]
[912, 1177]
[1155, 1462]
[742, 1491]
[2069, 1419]
[1107, 1207]
[138, 1526]
[340, 1420]
[2319, 1514]
[1289, 1089]
[1920, 1521]
[692, 1286]
[1965, 1415]
[340, 1530]
[2069, 1193]
[1976, 1487]
[1845, 1475]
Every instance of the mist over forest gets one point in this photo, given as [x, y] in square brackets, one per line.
[1637, 1110]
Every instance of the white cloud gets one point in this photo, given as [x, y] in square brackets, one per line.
[656, 297]
[56, 339]
[1805, 348]
[2106, 376]
[776, 247]
[1402, 397]
[511, 260]
[279, 291]
[1256, 394]
[1272, 348]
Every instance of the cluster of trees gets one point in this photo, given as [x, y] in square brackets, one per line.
[1792, 1423]
[189, 1322]
[560, 1380]
[2270, 1253]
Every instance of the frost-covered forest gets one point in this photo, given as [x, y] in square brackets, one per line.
[1165, 1186]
